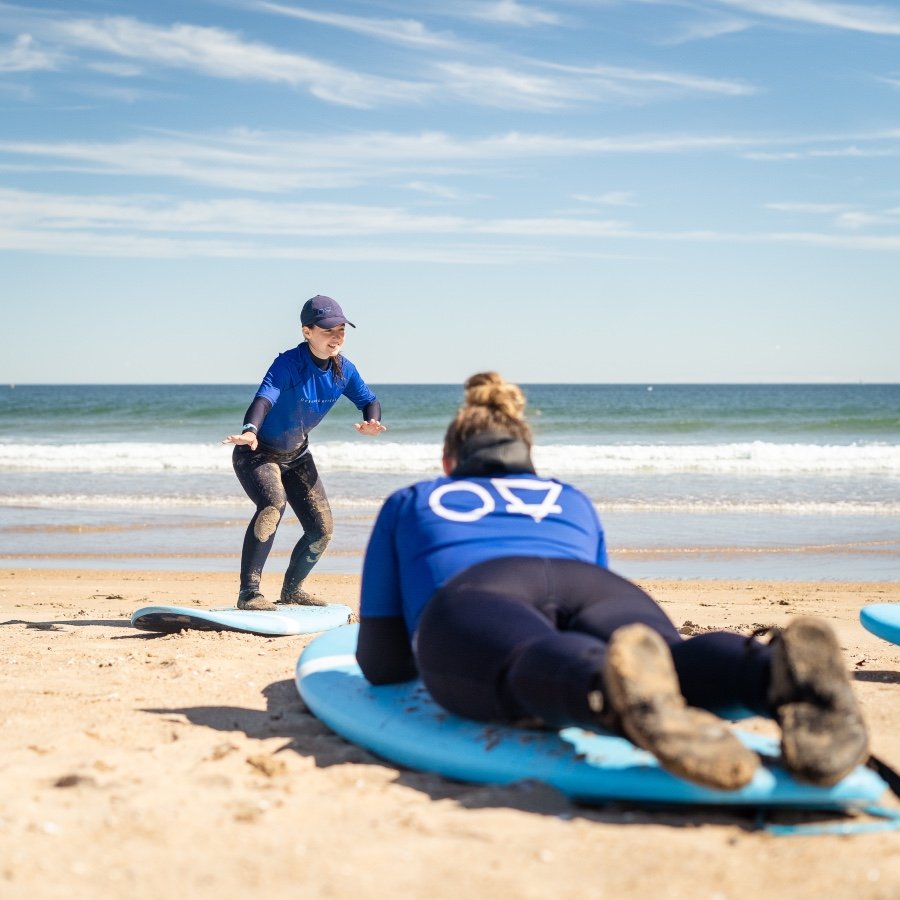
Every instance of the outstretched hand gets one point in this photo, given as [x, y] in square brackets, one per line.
[371, 427]
[248, 438]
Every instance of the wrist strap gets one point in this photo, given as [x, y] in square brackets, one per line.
[249, 426]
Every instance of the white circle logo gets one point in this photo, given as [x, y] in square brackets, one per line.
[454, 515]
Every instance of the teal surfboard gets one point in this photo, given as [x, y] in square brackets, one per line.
[401, 723]
[289, 620]
[882, 619]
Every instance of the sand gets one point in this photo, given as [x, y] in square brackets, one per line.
[136, 765]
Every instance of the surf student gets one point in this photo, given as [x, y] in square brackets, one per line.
[492, 584]
[272, 459]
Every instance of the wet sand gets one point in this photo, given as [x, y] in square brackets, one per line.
[143, 766]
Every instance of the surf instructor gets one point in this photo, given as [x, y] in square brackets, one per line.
[271, 456]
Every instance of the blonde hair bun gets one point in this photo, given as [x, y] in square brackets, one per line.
[489, 389]
[491, 405]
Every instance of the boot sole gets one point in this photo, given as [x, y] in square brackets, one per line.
[823, 735]
[642, 687]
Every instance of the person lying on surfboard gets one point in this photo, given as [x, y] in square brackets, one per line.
[492, 584]
[271, 456]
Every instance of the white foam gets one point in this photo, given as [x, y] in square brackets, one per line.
[423, 459]
[367, 507]
[755, 458]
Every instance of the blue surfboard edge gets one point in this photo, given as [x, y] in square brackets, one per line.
[402, 724]
[291, 620]
[882, 620]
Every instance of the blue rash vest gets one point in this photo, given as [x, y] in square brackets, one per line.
[301, 394]
[429, 532]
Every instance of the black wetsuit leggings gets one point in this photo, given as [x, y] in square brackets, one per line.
[271, 481]
[523, 638]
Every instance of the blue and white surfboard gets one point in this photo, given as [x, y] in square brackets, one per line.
[401, 723]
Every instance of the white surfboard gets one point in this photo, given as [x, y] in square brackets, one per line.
[283, 621]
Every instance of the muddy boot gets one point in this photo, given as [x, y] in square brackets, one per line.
[641, 686]
[253, 599]
[823, 736]
[300, 598]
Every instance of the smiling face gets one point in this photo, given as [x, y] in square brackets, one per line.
[324, 342]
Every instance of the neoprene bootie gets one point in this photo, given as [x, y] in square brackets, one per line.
[641, 686]
[823, 735]
[300, 598]
[253, 599]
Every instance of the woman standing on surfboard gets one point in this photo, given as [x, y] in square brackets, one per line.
[272, 458]
[492, 584]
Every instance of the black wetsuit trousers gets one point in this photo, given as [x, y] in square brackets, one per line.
[272, 481]
[521, 638]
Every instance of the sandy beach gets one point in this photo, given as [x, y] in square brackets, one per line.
[139, 765]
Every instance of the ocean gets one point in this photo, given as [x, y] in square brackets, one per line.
[793, 482]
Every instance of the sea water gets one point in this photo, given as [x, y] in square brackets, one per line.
[797, 482]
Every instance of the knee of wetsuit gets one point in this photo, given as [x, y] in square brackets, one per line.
[320, 543]
[267, 521]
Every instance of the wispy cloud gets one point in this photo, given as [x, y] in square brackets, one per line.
[120, 70]
[893, 82]
[262, 161]
[823, 209]
[164, 227]
[240, 161]
[613, 198]
[408, 32]
[856, 219]
[872, 19]
[514, 82]
[24, 55]
[552, 86]
[850, 151]
[223, 54]
[161, 226]
[159, 213]
[626, 80]
[118, 93]
[271, 161]
[707, 29]
[440, 191]
[509, 12]
[843, 215]
[450, 69]
[510, 89]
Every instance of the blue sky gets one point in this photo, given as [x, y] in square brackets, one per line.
[564, 190]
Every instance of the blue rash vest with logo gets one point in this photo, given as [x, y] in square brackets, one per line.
[429, 532]
[301, 394]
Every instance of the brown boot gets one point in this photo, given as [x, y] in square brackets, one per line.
[641, 686]
[253, 599]
[823, 735]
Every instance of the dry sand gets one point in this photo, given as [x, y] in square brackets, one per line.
[137, 765]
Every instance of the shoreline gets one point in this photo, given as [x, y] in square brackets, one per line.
[144, 765]
[861, 562]
[672, 546]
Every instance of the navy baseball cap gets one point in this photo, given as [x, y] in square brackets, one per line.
[324, 312]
